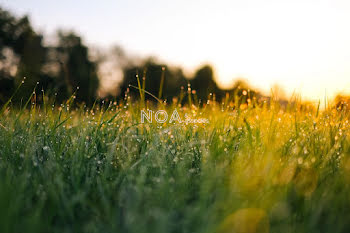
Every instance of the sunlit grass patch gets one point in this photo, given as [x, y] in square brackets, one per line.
[261, 168]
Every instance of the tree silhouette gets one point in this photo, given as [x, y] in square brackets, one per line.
[204, 83]
[152, 73]
[21, 53]
[75, 68]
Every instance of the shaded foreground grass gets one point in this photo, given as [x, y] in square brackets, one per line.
[258, 169]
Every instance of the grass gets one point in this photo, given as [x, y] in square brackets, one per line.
[259, 168]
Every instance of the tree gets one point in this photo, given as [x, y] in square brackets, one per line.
[204, 83]
[21, 53]
[154, 72]
[75, 68]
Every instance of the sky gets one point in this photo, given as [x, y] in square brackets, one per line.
[301, 45]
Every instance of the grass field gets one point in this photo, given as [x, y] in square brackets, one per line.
[258, 168]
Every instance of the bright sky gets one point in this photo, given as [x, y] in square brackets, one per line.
[303, 45]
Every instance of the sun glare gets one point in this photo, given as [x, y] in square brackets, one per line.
[302, 45]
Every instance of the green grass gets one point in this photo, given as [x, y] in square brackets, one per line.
[256, 169]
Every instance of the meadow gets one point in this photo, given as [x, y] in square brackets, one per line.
[254, 168]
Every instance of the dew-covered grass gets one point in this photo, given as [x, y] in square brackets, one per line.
[257, 168]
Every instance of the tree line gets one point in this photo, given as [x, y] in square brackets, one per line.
[64, 66]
